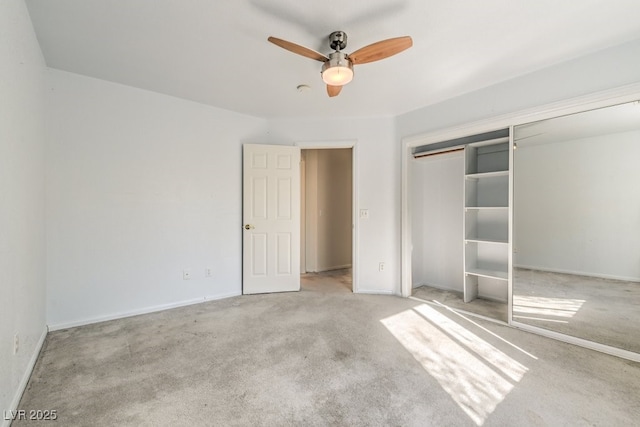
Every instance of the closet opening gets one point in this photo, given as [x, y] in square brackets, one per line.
[459, 214]
[326, 242]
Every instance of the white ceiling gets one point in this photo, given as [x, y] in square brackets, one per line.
[216, 51]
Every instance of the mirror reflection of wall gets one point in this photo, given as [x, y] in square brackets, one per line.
[577, 225]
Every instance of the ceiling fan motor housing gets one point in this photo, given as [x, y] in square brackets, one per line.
[338, 40]
[338, 70]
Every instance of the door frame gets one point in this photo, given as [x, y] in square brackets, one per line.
[334, 144]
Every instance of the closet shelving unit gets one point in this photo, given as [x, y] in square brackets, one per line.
[486, 220]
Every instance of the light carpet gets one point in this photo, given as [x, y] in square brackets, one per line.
[323, 356]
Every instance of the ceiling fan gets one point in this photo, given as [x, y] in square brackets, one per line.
[337, 68]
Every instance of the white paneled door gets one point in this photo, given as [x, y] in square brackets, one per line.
[271, 219]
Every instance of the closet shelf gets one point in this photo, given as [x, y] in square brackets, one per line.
[486, 220]
[492, 241]
[487, 174]
[492, 274]
[485, 208]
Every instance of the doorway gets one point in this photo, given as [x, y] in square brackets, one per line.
[326, 225]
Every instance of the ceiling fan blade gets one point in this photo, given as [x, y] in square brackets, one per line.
[300, 50]
[333, 90]
[381, 50]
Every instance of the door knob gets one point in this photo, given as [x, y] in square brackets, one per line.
[249, 227]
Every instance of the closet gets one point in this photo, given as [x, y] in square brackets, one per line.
[459, 213]
[525, 219]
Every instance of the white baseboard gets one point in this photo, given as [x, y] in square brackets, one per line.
[461, 291]
[493, 298]
[146, 310]
[578, 273]
[374, 292]
[25, 378]
[335, 267]
[436, 286]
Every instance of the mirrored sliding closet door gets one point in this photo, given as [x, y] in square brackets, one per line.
[576, 219]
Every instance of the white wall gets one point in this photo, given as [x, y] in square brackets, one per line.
[377, 179]
[140, 187]
[577, 206]
[22, 236]
[328, 213]
[437, 201]
[606, 69]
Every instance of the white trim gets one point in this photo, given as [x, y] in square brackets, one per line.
[579, 273]
[497, 299]
[332, 268]
[405, 225]
[353, 144]
[614, 351]
[376, 292]
[303, 215]
[25, 378]
[510, 232]
[439, 287]
[546, 111]
[153, 309]
[319, 145]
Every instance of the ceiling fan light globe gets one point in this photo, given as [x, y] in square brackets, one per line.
[338, 70]
[337, 76]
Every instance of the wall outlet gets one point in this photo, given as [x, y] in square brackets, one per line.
[364, 213]
[16, 343]
[186, 274]
[208, 272]
[381, 266]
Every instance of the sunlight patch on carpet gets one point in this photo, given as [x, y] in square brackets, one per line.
[477, 375]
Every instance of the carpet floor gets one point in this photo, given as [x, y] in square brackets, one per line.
[323, 356]
[482, 307]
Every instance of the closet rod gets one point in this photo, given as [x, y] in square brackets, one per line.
[435, 153]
